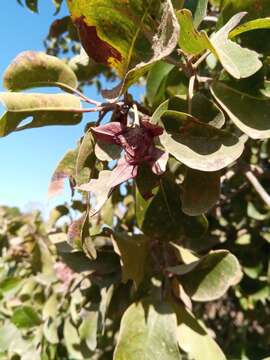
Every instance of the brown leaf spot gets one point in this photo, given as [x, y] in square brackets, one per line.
[97, 49]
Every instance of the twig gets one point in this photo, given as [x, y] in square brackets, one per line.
[69, 89]
[258, 187]
[209, 18]
[191, 92]
[201, 59]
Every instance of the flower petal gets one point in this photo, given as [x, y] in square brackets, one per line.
[155, 130]
[123, 172]
[108, 132]
[102, 187]
[159, 161]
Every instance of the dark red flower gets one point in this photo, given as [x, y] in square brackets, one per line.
[138, 145]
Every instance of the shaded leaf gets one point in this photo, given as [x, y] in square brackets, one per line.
[32, 5]
[155, 86]
[198, 8]
[34, 69]
[43, 109]
[107, 152]
[133, 251]
[201, 191]
[203, 109]
[212, 276]
[86, 158]
[250, 114]
[198, 145]
[148, 331]
[161, 217]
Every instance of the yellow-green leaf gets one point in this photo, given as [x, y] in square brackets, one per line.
[43, 109]
[35, 69]
[126, 35]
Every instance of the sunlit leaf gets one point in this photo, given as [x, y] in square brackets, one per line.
[249, 113]
[34, 69]
[194, 339]
[238, 61]
[42, 109]
[25, 317]
[64, 170]
[88, 329]
[136, 35]
[148, 331]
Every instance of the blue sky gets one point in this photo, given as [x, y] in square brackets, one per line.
[28, 158]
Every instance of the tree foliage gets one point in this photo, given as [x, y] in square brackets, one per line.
[171, 237]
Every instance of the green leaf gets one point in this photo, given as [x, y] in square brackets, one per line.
[57, 4]
[148, 331]
[161, 216]
[34, 69]
[107, 152]
[194, 339]
[198, 8]
[25, 317]
[201, 191]
[203, 109]
[251, 25]
[184, 255]
[155, 85]
[86, 157]
[197, 145]
[65, 169]
[43, 109]
[88, 329]
[192, 41]
[250, 114]
[133, 251]
[136, 35]
[236, 60]
[212, 276]
[239, 62]
[87, 242]
[10, 284]
[32, 5]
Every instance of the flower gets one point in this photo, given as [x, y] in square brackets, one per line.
[138, 145]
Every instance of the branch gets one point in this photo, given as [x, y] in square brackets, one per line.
[258, 187]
